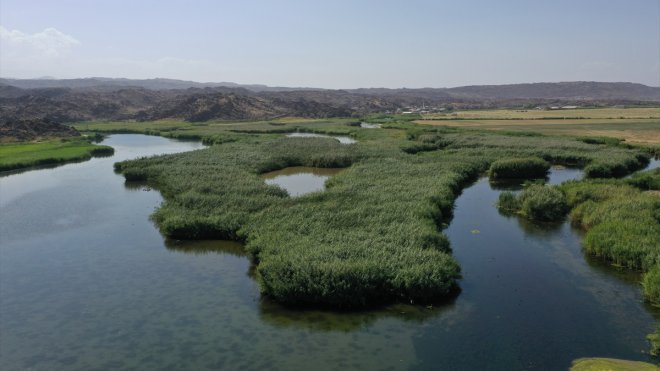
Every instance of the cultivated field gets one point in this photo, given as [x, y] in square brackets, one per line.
[634, 125]
[544, 114]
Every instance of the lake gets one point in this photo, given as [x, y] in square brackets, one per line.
[88, 282]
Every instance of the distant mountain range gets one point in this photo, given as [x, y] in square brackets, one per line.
[151, 84]
[560, 90]
[70, 100]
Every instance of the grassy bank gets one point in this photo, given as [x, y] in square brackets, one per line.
[610, 364]
[622, 223]
[25, 155]
[374, 236]
[621, 218]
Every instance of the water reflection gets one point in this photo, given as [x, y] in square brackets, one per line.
[205, 247]
[312, 319]
[338, 321]
[557, 175]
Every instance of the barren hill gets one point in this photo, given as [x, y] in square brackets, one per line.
[24, 103]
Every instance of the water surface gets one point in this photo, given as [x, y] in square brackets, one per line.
[341, 139]
[300, 180]
[367, 125]
[87, 282]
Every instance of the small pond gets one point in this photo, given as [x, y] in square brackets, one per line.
[367, 125]
[341, 139]
[300, 180]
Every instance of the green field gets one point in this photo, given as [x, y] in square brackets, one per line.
[23, 155]
[390, 204]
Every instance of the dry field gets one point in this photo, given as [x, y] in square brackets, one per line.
[634, 125]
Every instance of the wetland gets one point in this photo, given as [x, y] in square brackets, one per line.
[89, 282]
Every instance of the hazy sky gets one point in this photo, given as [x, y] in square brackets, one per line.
[334, 43]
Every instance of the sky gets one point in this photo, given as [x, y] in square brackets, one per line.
[334, 44]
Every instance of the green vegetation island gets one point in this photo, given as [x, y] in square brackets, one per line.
[374, 235]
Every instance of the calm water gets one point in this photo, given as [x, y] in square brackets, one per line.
[87, 282]
[299, 180]
[654, 164]
[341, 139]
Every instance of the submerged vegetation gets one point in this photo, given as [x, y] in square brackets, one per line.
[375, 234]
[23, 155]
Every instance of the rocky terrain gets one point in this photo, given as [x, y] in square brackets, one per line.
[28, 102]
[29, 130]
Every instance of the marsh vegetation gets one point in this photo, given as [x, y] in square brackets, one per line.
[375, 235]
[204, 293]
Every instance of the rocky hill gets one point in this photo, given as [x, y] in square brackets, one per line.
[27, 130]
[25, 102]
[578, 90]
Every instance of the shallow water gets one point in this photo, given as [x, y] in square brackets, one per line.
[367, 125]
[87, 282]
[654, 164]
[300, 180]
[341, 139]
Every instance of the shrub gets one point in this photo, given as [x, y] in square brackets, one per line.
[519, 168]
[543, 203]
[616, 167]
[646, 180]
[536, 202]
[508, 202]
